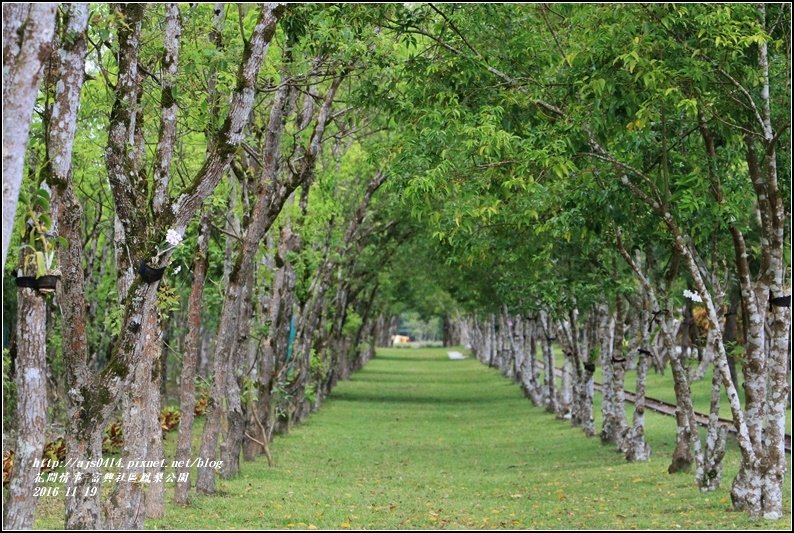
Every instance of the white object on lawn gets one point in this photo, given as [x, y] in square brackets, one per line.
[456, 355]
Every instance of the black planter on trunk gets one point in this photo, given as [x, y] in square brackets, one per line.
[43, 283]
[149, 274]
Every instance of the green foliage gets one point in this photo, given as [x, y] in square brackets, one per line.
[168, 300]
[37, 230]
[413, 324]
[318, 367]
[249, 394]
[281, 395]
[310, 392]
[353, 322]
[203, 389]
[9, 391]
[113, 320]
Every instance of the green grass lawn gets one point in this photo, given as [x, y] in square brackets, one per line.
[416, 441]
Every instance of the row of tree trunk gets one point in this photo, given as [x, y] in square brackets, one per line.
[606, 337]
[259, 385]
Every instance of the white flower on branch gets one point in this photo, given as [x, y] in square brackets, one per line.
[173, 238]
[695, 297]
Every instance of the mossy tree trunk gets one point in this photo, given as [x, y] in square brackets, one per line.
[274, 192]
[83, 437]
[709, 473]
[613, 365]
[548, 364]
[28, 30]
[141, 223]
[187, 395]
[632, 440]
[31, 388]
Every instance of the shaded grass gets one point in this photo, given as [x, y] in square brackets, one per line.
[417, 441]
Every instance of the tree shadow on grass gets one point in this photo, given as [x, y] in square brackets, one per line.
[396, 380]
[411, 399]
[435, 358]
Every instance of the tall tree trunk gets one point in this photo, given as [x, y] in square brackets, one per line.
[125, 507]
[615, 360]
[154, 497]
[709, 472]
[31, 388]
[27, 40]
[637, 448]
[187, 398]
[746, 489]
[508, 349]
[235, 416]
[447, 331]
[619, 361]
[607, 334]
[83, 439]
[139, 224]
[548, 364]
[528, 367]
[633, 442]
[256, 442]
[574, 342]
[778, 280]
[682, 455]
[686, 427]
[205, 480]
[565, 392]
[274, 348]
[492, 345]
[587, 394]
[267, 208]
[730, 334]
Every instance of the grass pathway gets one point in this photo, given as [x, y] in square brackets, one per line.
[415, 440]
